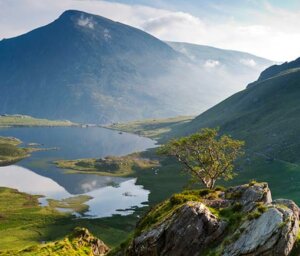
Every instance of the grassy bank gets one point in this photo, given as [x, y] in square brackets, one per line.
[25, 224]
[151, 128]
[74, 204]
[109, 166]
[10, 152]
[23, 120]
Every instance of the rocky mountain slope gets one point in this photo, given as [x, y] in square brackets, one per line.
[87, 68]
[266, 114]
[238, 221]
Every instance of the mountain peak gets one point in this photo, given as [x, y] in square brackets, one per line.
[72, 13]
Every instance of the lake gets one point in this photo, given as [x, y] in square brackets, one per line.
[38, 175]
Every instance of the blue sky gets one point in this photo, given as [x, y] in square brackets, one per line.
[267, 28]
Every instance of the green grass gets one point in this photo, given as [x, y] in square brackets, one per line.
[296, 248]
[109, 166]
[23, 223]
[75, 203]
[265, 115]
[283, 177]
[80, 242]
[10, 152]
[151, 128]
[23, 120]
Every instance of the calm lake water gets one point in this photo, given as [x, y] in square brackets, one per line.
[37, 174]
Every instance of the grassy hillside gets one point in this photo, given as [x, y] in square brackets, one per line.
[266, 115]
[79, 242]
[24, 120]
[151, 128]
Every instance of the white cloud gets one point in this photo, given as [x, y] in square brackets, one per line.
[211, 63]
[248, 62]
[106, 34]
[85, 22]
[273, 33]
[163, 26]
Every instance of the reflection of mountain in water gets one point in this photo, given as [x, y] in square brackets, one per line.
[74, 143]
[107, 199]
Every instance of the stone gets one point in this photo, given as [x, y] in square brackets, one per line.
[98, 247]
[249, 195]
[187, 232]
[271, 234]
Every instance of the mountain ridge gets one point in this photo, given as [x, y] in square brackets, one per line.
[87, 68]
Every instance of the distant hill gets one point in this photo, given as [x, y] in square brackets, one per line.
[86, 68]
[234, 62]
[266, 114]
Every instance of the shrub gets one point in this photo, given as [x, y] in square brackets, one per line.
[181, 198]
[254, 215]
[252, 182]
[234, 195]
[237, 207]
[219, 188]
[204, 192]
[262, 208]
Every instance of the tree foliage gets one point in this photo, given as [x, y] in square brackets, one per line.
[205, 155]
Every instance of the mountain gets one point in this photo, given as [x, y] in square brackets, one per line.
[234, 62]
[266, 114]
[87, 68]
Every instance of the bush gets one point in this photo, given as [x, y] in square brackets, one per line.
[237, 207]
[219, 188]
[181, 198]
[253, 215]
[204, 192]
[252, 182]
[234, 195]
[262, 208]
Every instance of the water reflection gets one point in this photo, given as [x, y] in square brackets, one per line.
[116, 194]
[74, 143]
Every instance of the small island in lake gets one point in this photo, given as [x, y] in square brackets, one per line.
[109, 166]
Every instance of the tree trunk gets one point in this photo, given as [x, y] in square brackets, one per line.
[212, 183]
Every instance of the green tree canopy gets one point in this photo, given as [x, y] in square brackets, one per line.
[205, 155]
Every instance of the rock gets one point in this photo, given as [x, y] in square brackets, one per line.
[271, 234]
[84, 238]
[249, 195]
[187, 232]
[252, 225]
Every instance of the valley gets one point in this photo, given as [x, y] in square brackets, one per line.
[140, 139]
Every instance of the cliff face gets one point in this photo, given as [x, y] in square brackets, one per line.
[242, 220]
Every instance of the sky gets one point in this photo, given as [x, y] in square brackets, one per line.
[267, 28]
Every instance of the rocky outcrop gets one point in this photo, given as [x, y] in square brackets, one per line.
[249, 195]
[82, 237]
[188, 232]
[272, 233]
[257, 226]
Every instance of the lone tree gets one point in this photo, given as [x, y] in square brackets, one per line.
[205, 155]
